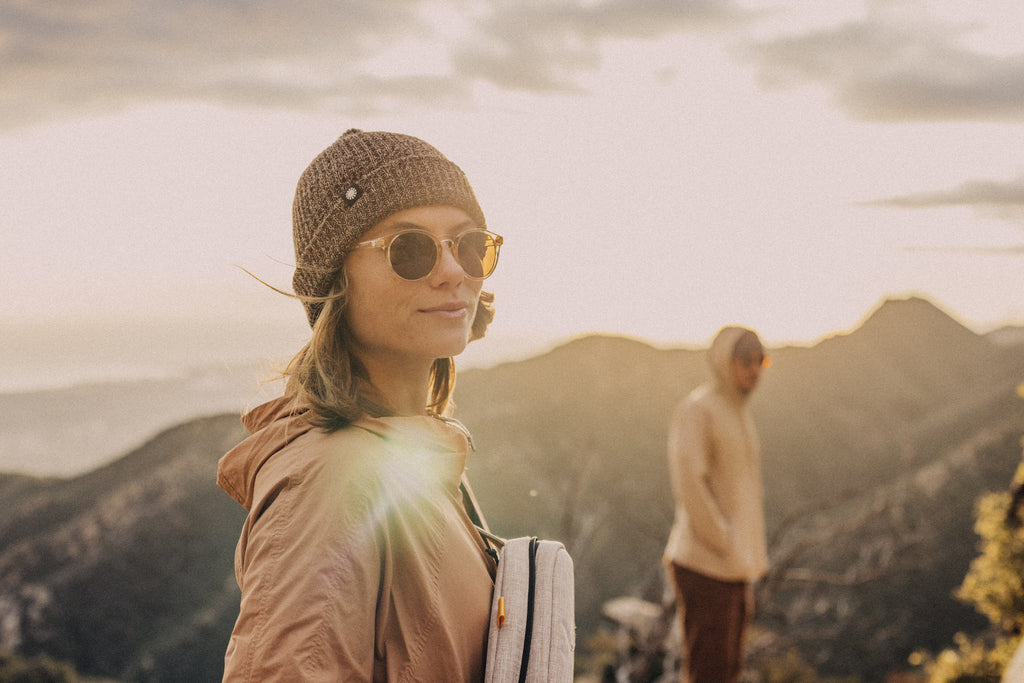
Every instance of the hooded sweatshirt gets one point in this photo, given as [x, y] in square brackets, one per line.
[715, 468]
[357, 560]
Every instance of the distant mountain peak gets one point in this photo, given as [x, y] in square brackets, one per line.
[913, 318]
[913, 334]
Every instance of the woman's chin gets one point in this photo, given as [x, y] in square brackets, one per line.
[455, 351]
[449, 348]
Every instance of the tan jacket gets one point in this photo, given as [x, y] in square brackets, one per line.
[715, 467]
[357, 561]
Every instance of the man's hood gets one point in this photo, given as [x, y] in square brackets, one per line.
[720, 357]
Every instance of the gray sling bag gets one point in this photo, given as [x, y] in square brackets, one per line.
[532, 632]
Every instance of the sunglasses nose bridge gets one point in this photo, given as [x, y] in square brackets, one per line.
[446, 245]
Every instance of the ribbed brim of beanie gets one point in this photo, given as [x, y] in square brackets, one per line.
[361, 179]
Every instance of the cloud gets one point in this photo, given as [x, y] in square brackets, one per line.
[896, 71]
[542, 45]
[978, 193]
[66, 57]
[1001, 199]
[1012, 250]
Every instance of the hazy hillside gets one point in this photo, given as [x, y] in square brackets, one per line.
[1007, 336]
[62, 432]
[876, 445]
[907, 382]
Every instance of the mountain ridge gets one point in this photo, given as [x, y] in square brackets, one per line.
[869, 442]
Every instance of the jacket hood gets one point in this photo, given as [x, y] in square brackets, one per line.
[720, 357]
[279, 422]
[273, 425]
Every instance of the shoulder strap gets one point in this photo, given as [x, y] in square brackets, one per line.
[472, 507]
[492, 541]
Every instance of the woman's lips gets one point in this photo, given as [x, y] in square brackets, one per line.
[451, 309]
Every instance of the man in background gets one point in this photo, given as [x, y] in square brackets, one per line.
[717, 547]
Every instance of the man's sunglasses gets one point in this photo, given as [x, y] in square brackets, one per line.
[762, 361]
[414, 253]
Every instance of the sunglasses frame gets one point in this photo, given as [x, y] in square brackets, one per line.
[452, 243]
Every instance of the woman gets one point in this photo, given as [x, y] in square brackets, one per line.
[357, 560]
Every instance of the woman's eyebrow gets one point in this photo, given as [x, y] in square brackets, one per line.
[404, 225]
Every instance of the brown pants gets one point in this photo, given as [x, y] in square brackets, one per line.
[714, 617]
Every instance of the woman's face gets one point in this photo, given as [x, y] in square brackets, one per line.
[396, 320]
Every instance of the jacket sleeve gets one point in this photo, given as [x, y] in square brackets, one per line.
[690, 452]
[309, 565]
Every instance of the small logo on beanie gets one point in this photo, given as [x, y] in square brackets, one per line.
[353, 193]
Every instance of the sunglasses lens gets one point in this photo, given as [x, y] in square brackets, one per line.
[478, 253]
[412, 255]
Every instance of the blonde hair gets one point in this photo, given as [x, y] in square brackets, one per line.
[325, 374]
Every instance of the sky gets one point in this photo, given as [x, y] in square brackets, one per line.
[658, 168]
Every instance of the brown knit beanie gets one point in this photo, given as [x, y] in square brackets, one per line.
[362, 178]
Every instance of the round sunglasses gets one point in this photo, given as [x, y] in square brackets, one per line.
[414, 253]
